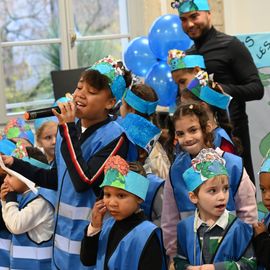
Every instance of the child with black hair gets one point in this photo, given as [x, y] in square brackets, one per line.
[261, 240]
[82, 149]
[142, 100]
[126, 240]
[29, 216]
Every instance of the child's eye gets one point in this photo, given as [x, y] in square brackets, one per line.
[262, 190]
[225, 189]
[212, 190]
[106, 195]
[48, 138]
[193, 130]
[121, 196]
[179, 133]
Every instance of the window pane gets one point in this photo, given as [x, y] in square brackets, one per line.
[91, 51]
[27, 72]
[28, 19]
[92, 17]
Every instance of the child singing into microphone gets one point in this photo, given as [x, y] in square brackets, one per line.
[82, 149]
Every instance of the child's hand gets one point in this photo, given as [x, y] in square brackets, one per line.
[8, 160]
[5, 189]
[98, 213]
[259, 228]
[67, 115]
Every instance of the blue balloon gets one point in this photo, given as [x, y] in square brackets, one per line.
[165, 34]
[138, 56]
[160, 79]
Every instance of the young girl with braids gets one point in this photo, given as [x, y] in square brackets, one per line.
[194, 133]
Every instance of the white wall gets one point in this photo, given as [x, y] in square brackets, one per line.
[246, 16]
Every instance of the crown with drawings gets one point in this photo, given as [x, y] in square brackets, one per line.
[199, 87]
[177, 59]
[206, 165]
[140, 131]
[184, 6]
[118, 175]
[111, 68]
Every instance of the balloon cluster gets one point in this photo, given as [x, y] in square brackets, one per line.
[147, 56]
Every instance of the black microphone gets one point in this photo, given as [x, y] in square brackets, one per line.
[40, 113]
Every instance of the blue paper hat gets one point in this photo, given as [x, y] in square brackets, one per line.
[109, 67]
[118, 175]
[40, 121]
[206, 165]
[7, 147]
[265, 167]
[139, 104]
[177, 59]
[199, 87]
[185, 6]
[140, 131]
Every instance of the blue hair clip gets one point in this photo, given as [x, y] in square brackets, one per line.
[139, 104]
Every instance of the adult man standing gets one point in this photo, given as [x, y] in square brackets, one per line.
[230, 62]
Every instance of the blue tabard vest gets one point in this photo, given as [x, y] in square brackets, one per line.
[219, 134]
[26, 254]
[5, 241]
[232, 247]
[234, 166]
[155, 183]
[128, 252]
[74, 208]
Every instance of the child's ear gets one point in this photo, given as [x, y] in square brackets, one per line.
[209, 127]
[193, 197]
[110, 104]
[196, 69]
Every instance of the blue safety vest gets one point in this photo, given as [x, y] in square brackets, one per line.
[25, 253]
[128, 252]
[232, 247]
[155, 183]
[74, 208]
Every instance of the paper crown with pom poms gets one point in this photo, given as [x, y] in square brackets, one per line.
[111, 68]
[118, 175]
[206, 165]
[177, 59]
[184, 6]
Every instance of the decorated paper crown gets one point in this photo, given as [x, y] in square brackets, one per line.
[109, 67]
[179, 60]
[139, 104]
[140, 131]
[206, 165]
[199, 87]
[18, 128]
[265, 167]
[117, 174]
[184, 6]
